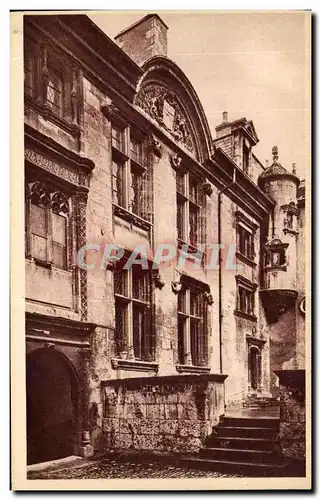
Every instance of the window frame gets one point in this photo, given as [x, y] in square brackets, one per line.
[130, 166]
[189, 205]
[47, 59]
[244, 226]
[125, 343]
[245, 298]
[49, 204]
[192, 353]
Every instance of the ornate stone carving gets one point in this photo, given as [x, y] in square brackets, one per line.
[81, 229]
[176, 287]
[39, 193]
[51, 166]
[159, 283]
[207, 189]
[155, 147]
[208, 298]
[163, 105]
[59, 203]
[176, 162]
[74, 97]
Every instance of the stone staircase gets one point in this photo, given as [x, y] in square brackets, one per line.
[243, 446]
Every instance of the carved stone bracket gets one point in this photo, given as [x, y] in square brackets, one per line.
[208, 298]
[176, 162]
[277, 301]
[154, 147]
[207, 189]
[176, 287]
[159, 283]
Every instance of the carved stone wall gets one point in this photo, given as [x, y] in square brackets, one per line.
[170, 413]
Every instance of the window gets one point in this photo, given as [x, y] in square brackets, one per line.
[245, 243]
[46, 225]
[245, 237]
[245, 301]
[53, 85]
[29, 74]
[54, 91]
[246, 158]
[129, 176]
[192, 331]
[133, 308]
[188, 208]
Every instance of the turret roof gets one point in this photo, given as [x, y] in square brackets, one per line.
[276, 169]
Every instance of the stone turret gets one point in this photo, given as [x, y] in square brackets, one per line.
[279, 290]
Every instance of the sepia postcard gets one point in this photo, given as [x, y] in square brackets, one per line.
[160, 268]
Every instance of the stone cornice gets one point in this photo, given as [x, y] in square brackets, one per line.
[46, 153]
[48, 325]
[135, 382]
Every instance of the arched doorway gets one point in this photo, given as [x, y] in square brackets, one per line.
[51, 406]
[254, 368]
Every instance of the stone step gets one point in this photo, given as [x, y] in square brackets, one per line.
[271, 423]
[237, 467]
[243, 443]
[251, 432]
[238, 454]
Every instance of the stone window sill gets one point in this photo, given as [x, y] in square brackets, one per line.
[241, 314]
[290, 231]
[192, 369]
[72, 128]
[246, 260]
[134, 364]
[131, 218]
[276, 267]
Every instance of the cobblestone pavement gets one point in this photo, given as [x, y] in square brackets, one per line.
[107, 468]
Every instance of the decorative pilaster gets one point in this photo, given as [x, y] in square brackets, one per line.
[44, 76]
[73, 97]
[81, 230]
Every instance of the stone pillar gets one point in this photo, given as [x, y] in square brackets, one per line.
[292, 418]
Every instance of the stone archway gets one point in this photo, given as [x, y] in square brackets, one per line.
[52, 398]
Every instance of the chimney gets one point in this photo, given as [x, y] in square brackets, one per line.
[144, 39]
[224, 117]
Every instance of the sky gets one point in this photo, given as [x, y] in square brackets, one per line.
[253, 64]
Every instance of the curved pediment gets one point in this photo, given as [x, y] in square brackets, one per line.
[165, 93]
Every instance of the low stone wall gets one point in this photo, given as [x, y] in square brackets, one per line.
[164, 413]
[292, 413]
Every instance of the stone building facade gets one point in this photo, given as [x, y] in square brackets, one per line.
[119, 155]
